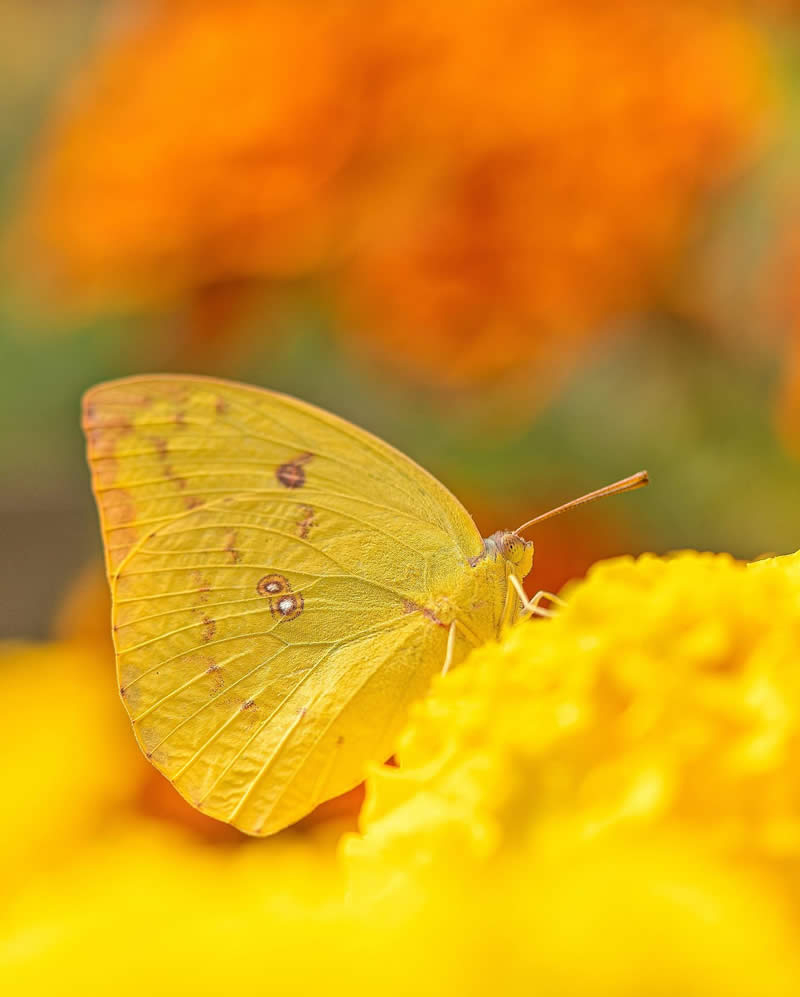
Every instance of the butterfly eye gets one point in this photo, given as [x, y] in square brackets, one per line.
[272, 586]
[512, 548]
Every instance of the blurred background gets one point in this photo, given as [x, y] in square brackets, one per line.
[536, 246]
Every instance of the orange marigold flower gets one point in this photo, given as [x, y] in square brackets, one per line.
[481, 182]
[556, 158]
[200, 145]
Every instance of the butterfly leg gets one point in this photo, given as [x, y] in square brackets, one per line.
[531, 607]
[451, 643]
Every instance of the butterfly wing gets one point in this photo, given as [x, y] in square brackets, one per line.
[268, 565]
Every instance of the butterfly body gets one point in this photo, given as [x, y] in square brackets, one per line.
[284, 587]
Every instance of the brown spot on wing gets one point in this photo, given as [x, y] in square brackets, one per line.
[118, 507]
[305, 524]
[105, 428]
[104, 437]
[169, 471]
[209, 628]
[221, 406]
[271, 586]
[162, 449]
[105, 472]
[429, 614]
[292, 474]
[218, 679]
[203, 585]
[192, 501]
[96, 417]
[230, 547]
[287, 607]
[248, 704]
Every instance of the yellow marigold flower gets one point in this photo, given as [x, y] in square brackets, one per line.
[788, 563]
[602, 805]
[608, 801]
[666, 694]
[147, 907]
[147, 904]
[69, 757]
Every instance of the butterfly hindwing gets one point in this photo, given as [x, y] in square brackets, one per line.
[238, 687]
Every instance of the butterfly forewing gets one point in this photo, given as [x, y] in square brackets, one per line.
[269, 566]
[161, 446]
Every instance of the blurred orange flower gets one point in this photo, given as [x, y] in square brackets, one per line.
[199, 146]
[566, 147]
[482, 184]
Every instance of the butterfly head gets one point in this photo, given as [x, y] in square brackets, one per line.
[514, 549]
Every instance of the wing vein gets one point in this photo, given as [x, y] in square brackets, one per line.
[331, 650]
[221, 693]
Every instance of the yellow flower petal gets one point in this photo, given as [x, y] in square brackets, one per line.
[70, 760]
[666, 694]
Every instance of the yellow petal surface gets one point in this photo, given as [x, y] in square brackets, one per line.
[665, 695]
[68, 755]
[147, 908]
[602, 805]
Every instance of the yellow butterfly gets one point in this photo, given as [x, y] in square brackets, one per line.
[284, 586]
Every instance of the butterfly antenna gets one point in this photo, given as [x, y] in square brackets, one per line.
[625, 485]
